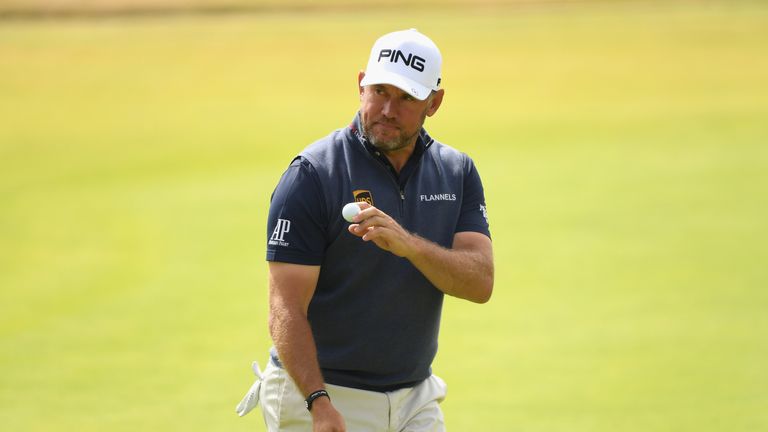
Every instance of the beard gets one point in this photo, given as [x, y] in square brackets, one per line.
[402, 140]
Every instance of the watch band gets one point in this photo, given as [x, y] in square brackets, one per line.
[314, 395]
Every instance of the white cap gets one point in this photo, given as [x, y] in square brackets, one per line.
[406, 59]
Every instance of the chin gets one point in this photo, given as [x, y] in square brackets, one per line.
[388, 146]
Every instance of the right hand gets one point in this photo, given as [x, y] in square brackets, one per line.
[372, 224]
[325, 418]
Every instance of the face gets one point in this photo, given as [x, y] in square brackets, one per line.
[391, 118]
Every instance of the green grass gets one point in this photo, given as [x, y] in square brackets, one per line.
[624, 155]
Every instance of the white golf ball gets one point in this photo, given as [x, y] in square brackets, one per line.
[349, 211]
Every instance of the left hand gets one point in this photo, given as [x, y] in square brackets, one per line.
[372, 224]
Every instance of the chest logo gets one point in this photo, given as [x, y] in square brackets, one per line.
[362, 195]
[438, 197]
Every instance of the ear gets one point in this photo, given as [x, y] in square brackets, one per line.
[360, 76]
[437, 99]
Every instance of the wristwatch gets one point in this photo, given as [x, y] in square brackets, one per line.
[314, 395]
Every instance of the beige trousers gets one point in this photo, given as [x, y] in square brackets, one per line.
[407, 410]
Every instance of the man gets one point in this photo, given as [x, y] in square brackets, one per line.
[355, 308]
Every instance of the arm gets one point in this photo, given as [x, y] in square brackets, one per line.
[291, 287]
[464, 271]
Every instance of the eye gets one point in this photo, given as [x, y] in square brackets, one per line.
[408, 98]
[378, 90]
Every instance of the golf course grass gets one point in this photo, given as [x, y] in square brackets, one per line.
[624, 152]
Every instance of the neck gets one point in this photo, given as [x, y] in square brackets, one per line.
[399, 158]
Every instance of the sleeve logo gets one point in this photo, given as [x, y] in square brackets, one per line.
[484, 210]
[278, 235]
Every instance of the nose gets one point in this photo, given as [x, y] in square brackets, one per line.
[389, 109]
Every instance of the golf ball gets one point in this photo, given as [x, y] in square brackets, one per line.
[349, 211]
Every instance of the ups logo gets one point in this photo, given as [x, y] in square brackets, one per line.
[362, 195]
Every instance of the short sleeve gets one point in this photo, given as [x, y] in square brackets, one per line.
[474, 215]
[295, 225]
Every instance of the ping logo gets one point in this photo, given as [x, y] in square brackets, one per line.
[363, 196]
[278, 235]
[395, 56]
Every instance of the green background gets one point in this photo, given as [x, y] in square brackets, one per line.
[624, 151]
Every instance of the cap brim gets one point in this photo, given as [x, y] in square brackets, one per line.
[411, 87]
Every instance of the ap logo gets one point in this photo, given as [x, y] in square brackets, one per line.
[278, 235]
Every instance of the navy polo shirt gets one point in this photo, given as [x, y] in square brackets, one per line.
[374, 317]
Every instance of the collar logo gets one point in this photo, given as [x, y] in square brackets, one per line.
[362, 195]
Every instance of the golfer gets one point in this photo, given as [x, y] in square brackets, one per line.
[355, 307]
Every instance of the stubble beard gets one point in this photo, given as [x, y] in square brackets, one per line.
[396, 143]
[392, 144]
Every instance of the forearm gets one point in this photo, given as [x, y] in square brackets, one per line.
[463, 273]
[465, 270]
[296, 347]
[291, 287]
[298, 354]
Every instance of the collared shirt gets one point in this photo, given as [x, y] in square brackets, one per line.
[422, 142]
[374, 317]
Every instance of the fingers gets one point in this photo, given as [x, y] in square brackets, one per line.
[377, 220]
[374, 226]
[362, 231]
[369, 218]
[379, 235]
[366, 211]
[365, 233]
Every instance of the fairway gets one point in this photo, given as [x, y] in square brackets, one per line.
[624, 151]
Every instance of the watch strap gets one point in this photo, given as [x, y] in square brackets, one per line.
[314, 395]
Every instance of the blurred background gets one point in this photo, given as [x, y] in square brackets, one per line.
[623, 147]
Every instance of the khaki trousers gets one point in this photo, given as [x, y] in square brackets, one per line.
[407, 410]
